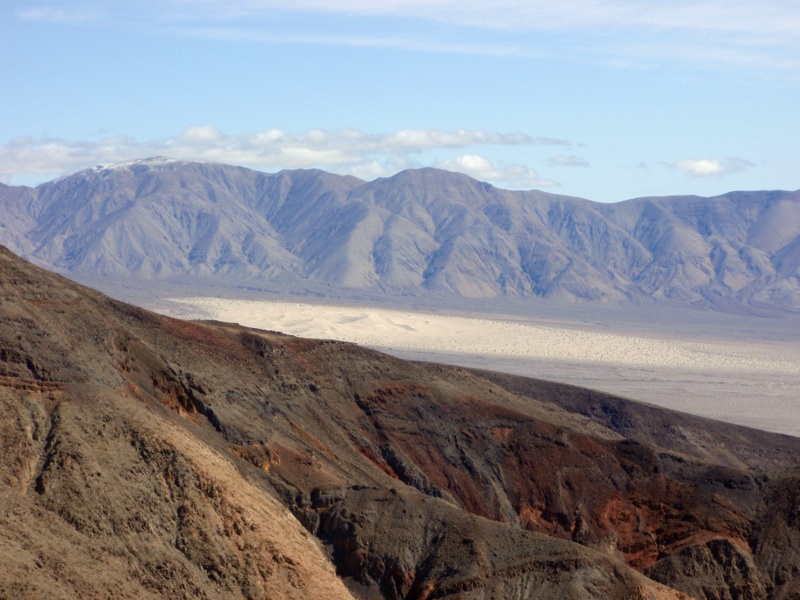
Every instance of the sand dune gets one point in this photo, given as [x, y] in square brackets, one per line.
[754, 383]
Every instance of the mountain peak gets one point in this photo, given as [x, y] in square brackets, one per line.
[136, 165]
[150, 162]
[426, 174]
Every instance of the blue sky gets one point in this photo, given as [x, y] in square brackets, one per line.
[605, 99]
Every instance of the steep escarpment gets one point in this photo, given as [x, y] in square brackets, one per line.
[155, 457]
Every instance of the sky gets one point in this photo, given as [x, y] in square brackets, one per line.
[603, 99]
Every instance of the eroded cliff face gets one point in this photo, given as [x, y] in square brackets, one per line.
[147, 456]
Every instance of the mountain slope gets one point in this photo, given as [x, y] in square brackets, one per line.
[155, 457]
[420, 232]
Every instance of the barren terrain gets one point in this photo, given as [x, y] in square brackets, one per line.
[147, 457]
[749, 377]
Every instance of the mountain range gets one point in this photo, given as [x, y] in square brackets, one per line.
[422, 232]
[146, 457]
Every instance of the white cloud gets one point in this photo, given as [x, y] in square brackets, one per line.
[509, 176]
[200, 134]
[568, 161]
[708, 167]
[344, 151]
[549, 141]
[702, 167]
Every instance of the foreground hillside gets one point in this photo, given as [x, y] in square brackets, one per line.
[422, 232]
[145, 457]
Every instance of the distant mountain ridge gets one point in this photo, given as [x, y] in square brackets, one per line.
[420, 232]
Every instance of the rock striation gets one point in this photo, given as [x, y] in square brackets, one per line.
[147, 457]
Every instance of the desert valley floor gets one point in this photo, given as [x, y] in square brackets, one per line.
[742, 370]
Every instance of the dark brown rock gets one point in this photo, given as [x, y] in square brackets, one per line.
[153, 457]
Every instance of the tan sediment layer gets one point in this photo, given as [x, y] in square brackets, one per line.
[435, 333]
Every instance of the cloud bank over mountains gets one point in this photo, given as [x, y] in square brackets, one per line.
[574, 95]
[345, 151]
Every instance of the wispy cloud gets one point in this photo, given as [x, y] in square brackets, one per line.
[344, 151]
[765, 16]
[57, 14]
[405, 42]
[709, 167]
[755, 33]
[568, 161]
[726, 31]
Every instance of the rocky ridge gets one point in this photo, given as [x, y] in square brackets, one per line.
[153, 457]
